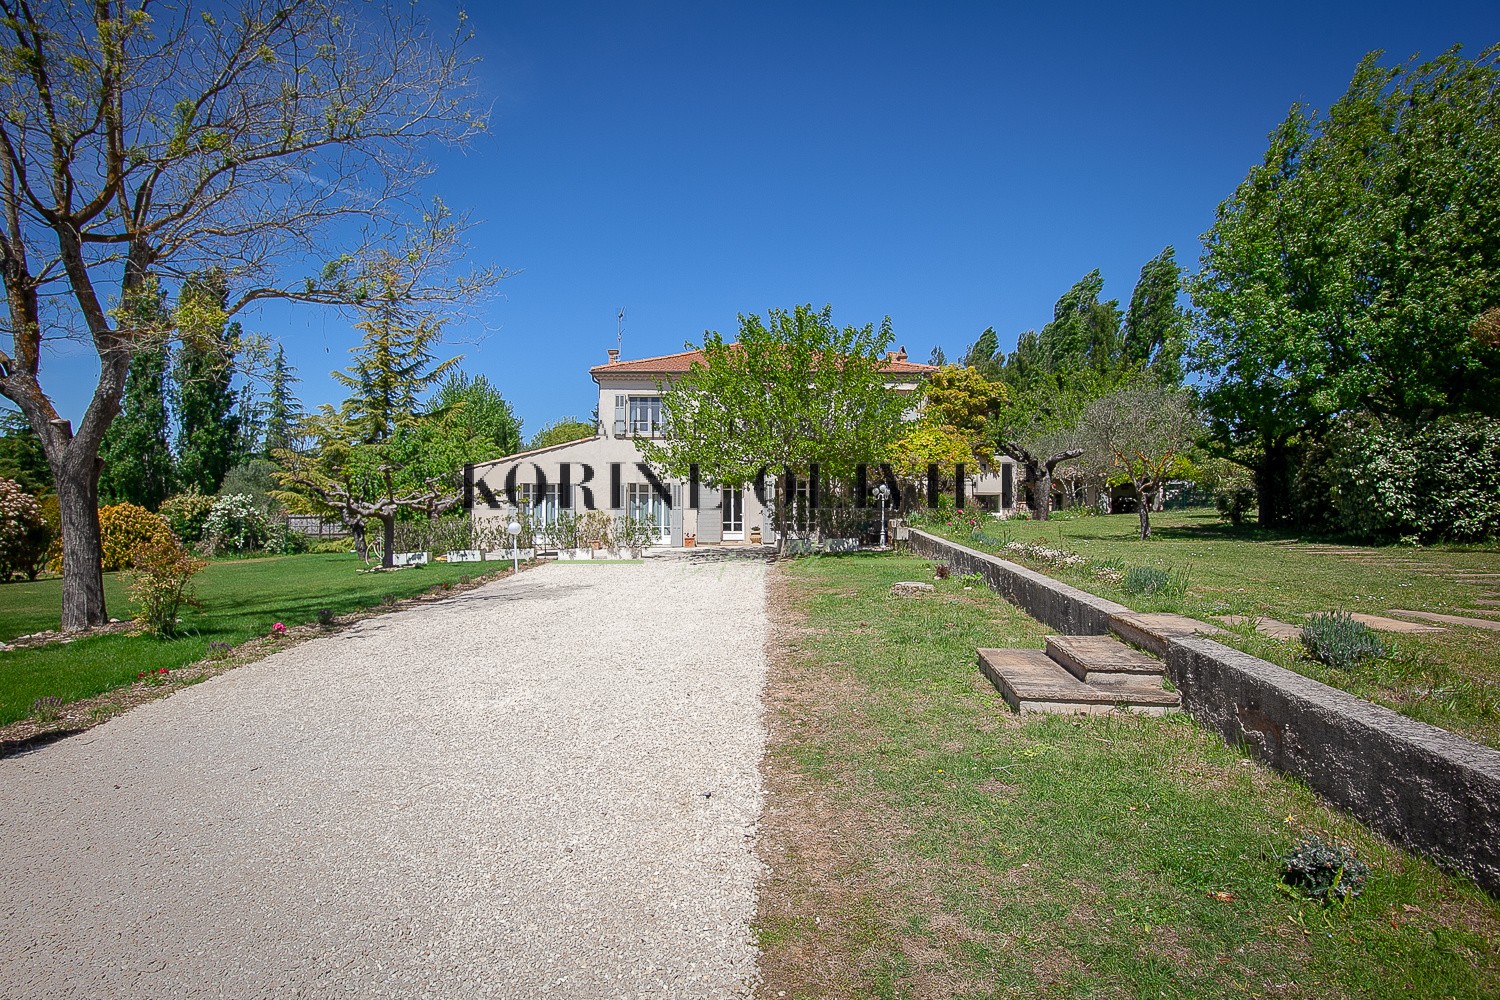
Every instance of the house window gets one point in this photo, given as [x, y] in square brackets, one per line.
[645, 416]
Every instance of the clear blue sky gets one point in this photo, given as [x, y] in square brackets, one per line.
[954, 166]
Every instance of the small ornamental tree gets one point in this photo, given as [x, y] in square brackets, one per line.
[236, 524]
[24, 535]
[1146, 427]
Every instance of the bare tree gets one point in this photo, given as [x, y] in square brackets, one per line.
[275, 142]
[1039, 465]
[1146, 428]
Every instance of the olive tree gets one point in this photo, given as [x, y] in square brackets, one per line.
[1145, 428]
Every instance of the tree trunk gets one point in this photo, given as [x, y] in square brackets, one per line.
[361, 544]
[83, 551]
[1146, 500]
[1042, 500]
[1273, 486]
[388, 536]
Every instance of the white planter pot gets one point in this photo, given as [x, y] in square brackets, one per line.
[409, 558]
[504, 555]
[464, 555]
[841, 545]
[798, 546]
[573, 555]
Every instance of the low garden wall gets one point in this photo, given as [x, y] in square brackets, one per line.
[1424, 787]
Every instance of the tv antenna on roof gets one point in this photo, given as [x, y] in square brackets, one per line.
[619, 327]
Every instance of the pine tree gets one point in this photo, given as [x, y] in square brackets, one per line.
[137, 456]
[283, 411]
[393, 364]
[207, 425]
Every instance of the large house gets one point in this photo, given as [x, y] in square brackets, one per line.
[607, 471]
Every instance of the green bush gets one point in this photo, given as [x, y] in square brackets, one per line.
[331, 546]
[187, 514]
[1324, 871]
[1153, 581]
[123, 527]
[1337, 640]
[159, 582]
[24, 534]
[1439, 482]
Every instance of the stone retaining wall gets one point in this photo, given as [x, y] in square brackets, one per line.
[1434, 792]
[1069, 610]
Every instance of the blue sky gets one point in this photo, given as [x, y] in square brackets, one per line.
[954, 166]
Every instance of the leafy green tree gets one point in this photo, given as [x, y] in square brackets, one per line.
[208, 428]
[394, 363]
[937, 358]
[137, 143]
[1156, 327]
[1351, 269]
[283, 411]
[793, 390]
[984, 354]
[22, 458]
[475, 409]
[136, 453]
[563, 431]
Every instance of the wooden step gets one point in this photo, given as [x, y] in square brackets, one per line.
[1031, 681]
[1101, 658]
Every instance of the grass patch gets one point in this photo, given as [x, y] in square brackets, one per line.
[1449, 679]
[242, 598]
[923, 841]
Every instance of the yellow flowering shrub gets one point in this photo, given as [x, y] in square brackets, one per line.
[123, 526]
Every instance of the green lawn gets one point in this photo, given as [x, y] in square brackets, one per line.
[949, 848]
[1449, 679]
[241, 598]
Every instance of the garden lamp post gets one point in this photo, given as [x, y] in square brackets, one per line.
[513, 529]
[883, 493]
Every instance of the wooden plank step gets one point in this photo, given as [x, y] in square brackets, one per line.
[1030, 681]
[1092, 658]
[1153, 630]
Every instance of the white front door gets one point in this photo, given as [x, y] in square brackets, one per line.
[734, 515]
[645, 504]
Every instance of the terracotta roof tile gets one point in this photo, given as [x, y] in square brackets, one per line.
[676, 364]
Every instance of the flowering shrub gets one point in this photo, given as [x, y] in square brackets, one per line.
[1441, 481]
[159, 582]
[1037, 552]
[123, 527]
[235, 524]
[278, 630]
[23, 532]
[187, 513]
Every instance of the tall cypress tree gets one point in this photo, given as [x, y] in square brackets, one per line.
[283, 411]
[1155, 325]
[137, 456]
[207, 425]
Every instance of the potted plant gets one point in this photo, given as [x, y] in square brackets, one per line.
[634, 535]
[595, 534]
[564, 532]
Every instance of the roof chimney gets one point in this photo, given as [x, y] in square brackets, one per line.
[614, 355]
[901, 354]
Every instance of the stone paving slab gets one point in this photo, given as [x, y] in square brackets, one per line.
[1152, 630]
[1487, 624]
[1381, 624]
[1267, 626]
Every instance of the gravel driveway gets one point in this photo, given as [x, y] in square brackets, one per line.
[545, 786]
